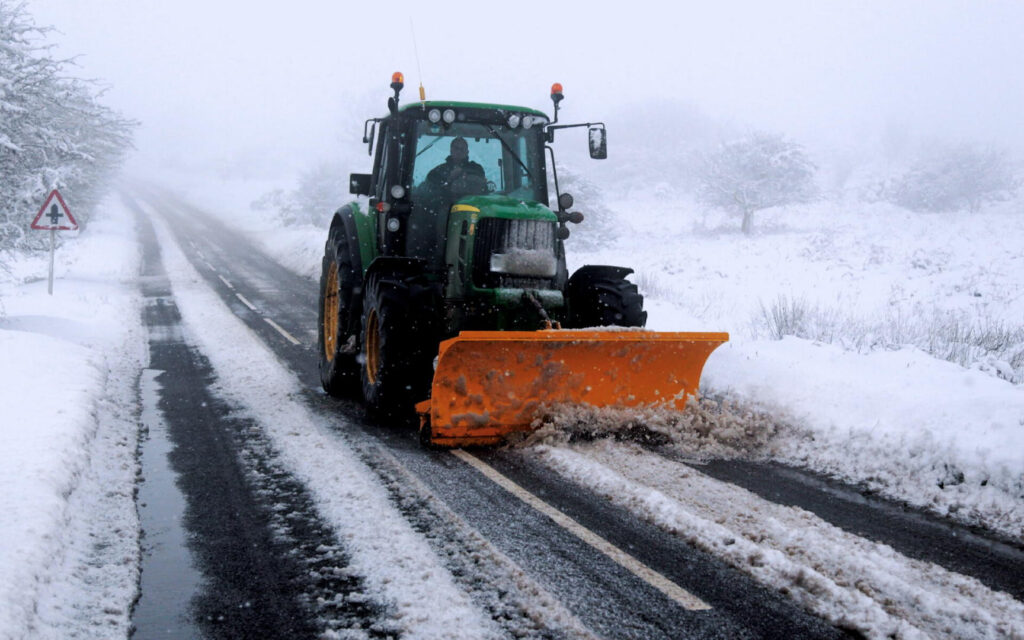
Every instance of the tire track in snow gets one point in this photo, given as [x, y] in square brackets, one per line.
[267, 565]
[396, 564]
[487, 575]
[855, 583]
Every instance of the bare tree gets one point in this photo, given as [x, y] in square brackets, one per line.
[955, 178]
[755, 172]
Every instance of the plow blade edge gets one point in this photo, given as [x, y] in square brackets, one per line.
[488, 384]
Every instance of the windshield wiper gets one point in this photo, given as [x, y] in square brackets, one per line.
[421, 151]
[497, 135]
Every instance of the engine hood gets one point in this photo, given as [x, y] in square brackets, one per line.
[497, 206]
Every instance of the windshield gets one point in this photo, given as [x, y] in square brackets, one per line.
[505, 161]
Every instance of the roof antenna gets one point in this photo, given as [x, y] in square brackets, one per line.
[423, 94]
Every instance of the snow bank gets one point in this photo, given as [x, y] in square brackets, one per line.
[916, 428]
[66, 386]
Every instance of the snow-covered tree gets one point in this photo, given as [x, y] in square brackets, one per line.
[755, 172]
[955, 178]
[322, 188]
[54, 133]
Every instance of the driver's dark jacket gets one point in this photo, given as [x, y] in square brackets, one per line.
[440, 174]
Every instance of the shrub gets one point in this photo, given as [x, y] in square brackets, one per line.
[955, 178]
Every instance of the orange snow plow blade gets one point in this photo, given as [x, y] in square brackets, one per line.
[488, 384]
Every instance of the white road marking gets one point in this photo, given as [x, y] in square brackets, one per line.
[245, 302]
[685, 599]
[281, 330]
[276, 326]
[212, 268]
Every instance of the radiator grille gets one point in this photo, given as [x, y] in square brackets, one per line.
[497, 235]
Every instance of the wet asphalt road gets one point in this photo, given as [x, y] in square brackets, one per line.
[253, 585]
[239, 576]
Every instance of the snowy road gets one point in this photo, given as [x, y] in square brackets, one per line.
[304, 516]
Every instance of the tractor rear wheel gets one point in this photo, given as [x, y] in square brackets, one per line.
[605, 300]
[399, 344]
[336, 347]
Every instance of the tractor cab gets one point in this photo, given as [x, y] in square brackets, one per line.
[432, 156]
[434, 159]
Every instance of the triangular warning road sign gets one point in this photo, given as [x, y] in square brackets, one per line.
[58, 215]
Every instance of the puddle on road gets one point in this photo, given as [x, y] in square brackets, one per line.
[169, 577]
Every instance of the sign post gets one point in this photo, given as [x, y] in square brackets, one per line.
[55, 215]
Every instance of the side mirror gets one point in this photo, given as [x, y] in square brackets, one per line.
[359, 184]
[369, 127]
[598, 138]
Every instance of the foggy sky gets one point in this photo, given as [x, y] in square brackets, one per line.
[275, 82]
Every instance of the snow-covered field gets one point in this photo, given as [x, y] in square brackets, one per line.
[885, 294]
[69, 431]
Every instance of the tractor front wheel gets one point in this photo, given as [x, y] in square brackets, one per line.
[603, 300]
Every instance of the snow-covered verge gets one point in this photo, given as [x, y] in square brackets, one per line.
[397, 565]
[69, 432]
[900, 422]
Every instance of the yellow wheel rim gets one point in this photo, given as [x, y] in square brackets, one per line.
[330, 325]
[372, 347]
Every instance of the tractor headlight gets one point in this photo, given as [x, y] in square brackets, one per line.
[393, 224]
[397, 192]
[527, 122]
[434, 115]
[513, 121]
[448, 116]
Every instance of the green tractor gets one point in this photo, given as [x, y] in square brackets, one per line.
[458, 238]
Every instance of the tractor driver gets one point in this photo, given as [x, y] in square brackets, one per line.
[458, 176]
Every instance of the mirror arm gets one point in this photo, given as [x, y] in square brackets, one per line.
[550, 129]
